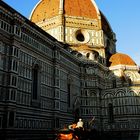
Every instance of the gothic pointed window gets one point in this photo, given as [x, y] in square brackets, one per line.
[110, 113]
[35, 82]
[68, 94]
[11, 118]
[69, 91]
[114, 83]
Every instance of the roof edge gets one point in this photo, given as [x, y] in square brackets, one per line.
[34, 9]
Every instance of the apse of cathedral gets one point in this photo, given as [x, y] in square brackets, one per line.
[61, 65]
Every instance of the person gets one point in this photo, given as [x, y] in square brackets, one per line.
[79, 130]
[91, 122]
[80, 124]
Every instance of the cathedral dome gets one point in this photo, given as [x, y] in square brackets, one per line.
[121, 59]
[46, 9]
[77, 23]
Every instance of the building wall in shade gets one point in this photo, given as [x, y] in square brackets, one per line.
[45, 85]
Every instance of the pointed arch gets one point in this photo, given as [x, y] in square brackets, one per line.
[36, 81]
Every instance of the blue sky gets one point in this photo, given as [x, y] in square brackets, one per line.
[123, 16]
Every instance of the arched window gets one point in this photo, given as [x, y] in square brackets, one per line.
[87, 55]
[35, 82]
[114, 83]
[11, 118]
[110, 113]
[69, 92]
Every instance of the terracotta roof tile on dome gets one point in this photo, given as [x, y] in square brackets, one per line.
[121, 59]
[46, 9]
[82, 8]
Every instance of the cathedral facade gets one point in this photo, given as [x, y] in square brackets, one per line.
[62, 65]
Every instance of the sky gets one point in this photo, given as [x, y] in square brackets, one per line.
[123, 16]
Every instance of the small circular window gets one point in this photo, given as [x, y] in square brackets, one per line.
[82, 36]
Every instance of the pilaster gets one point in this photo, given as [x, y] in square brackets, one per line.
[61, 13]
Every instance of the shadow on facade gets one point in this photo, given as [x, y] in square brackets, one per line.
[44, 86]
